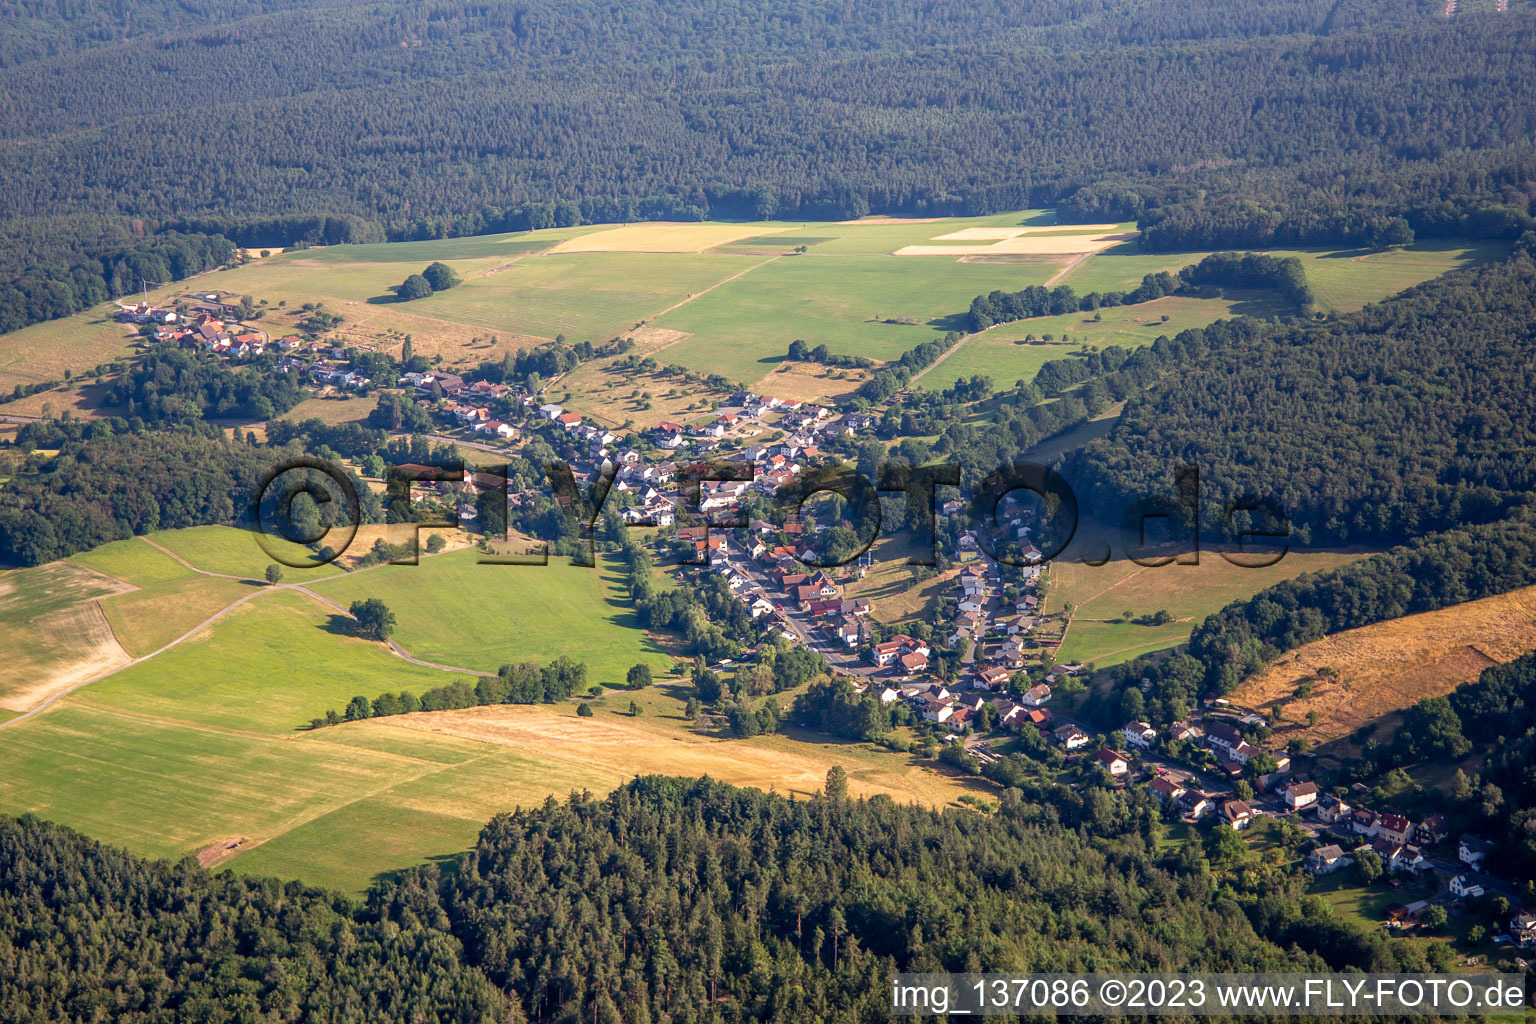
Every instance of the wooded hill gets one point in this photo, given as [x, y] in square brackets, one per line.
[1407, 418]
[669, 899]
[274, 121]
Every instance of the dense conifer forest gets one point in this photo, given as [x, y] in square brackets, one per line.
[668, 899]
[1410, 417]
[278, 121]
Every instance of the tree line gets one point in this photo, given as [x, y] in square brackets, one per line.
[520, 683]
[1217, 271]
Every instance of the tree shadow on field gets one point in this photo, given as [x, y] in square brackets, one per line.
[677, 690]
[337, 624]
[385, 300]
[773, 360]
[951, 322]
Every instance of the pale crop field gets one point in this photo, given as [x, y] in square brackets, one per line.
[661, 237]
[203, 745]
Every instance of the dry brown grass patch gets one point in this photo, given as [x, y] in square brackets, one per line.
[618, 747]
[809, 382]
[1392, 665]
[53, 632]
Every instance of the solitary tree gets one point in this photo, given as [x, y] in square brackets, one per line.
[837, 783]
[635, 710]
[584, 710]
[440, 277]
[274, 573]
[413, 287]
[639, 676]
[374, 619]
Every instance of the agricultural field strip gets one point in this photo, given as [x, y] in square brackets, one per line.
[706, 291]
[266, 588]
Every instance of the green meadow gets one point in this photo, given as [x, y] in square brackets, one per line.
[225, 676]
[453, 611]
[1344, 281]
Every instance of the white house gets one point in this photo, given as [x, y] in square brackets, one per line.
[1303, 794]
[1139, 734]
[1114, 762]
[1465, 888]
[1471, 851]
[1237, 814]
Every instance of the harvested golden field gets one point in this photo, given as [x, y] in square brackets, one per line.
[1100, 632]
[1388, 666]
[882, 219]
[605, 391]
[615, 747]
[333, 409]
[80, 401]
[891, 586]
[78, 344]
[1001, 233]
[663, 237]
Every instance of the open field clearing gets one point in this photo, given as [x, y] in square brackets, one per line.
[1388, 666]
[166, 598]
[891, 585]
[743, 328]
[1101, 594]
[600, 389]
[146, 620]
[882, 236]
[1346, 280]
[44, 351]
[53, 632]
[595, 282]
[811, 382]
[584, 296]
[333, 410]
[135, 561]
[472, 247]
[269, 666]
[1343, 280]
[662, 237]
[456, 612]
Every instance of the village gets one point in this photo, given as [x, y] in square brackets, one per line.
[981, 671]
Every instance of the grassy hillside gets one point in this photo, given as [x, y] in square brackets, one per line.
[456, 612]
[199, 746]
[1360, 675]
